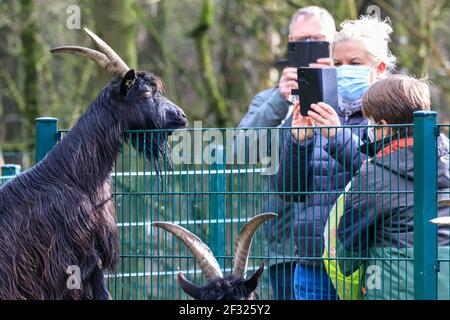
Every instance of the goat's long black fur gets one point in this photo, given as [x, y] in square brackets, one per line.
[60, 212]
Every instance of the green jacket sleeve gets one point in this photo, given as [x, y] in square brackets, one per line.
[361, 212]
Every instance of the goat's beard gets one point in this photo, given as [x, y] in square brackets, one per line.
[155, 148]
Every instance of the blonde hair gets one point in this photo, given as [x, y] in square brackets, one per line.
[322, 14]
[373, 34]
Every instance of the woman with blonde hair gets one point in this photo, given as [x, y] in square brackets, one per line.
[317, 163]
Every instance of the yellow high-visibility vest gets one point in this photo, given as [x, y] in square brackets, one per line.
[347, 287]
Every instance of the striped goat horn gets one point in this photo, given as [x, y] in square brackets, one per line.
[445, 221]
[200, 251]
[244, 241]
[107, 58]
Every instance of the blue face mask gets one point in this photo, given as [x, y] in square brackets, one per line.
[353, 82]
[370, 131]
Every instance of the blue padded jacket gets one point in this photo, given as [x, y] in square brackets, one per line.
[315, 171]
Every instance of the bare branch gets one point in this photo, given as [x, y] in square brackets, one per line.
[13, 89]
[440, 58]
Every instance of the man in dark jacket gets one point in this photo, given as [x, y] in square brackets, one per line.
[272, 108]
[378, 219]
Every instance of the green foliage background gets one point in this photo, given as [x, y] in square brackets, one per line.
[213, 55]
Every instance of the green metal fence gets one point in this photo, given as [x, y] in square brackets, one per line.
[223, 177]
[8, 172]
[442, 262]
[213, 199]
[23, 159]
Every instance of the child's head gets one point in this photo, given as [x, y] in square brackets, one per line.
[393, 100]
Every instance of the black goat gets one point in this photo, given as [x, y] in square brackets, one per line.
[218, 287]
[60, 212]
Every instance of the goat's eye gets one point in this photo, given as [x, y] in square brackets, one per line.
[147, 94]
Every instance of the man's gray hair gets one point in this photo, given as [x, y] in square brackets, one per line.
[324, 16]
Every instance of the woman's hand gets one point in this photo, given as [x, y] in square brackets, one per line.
[300, 121]
[325, 116]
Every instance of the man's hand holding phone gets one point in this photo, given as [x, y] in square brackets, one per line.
[288, 82]
[322, 63]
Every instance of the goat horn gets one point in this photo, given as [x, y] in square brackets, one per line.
[120, 67]
[91, 54]
[442, 221]
[244, 241]
[200, 251]
[190, 288]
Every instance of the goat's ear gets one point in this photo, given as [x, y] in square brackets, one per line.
[252, 283]
[127, 81]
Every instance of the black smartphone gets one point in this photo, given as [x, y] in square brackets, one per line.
[316, 85]
[302, 53]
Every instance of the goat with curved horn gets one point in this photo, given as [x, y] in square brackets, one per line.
[244, 241]
[107, 58]
[232, 287]
[200, 251]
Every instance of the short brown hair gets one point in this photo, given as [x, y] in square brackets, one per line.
[395, 99]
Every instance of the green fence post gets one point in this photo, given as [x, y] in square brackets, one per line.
[425, 206]
[10, 170]
[46, 136]
[217, 203]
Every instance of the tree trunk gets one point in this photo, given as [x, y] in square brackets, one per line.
[232, 56]
[115, 22]
[244, 73]
[200, 34]
[168, 65]
[160, 53]
[30, 55]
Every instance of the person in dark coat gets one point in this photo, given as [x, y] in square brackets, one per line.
[273, 108]
[318, 163]
[378, 213]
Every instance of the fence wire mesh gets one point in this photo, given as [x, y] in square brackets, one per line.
[345, 225]
[443, 198]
